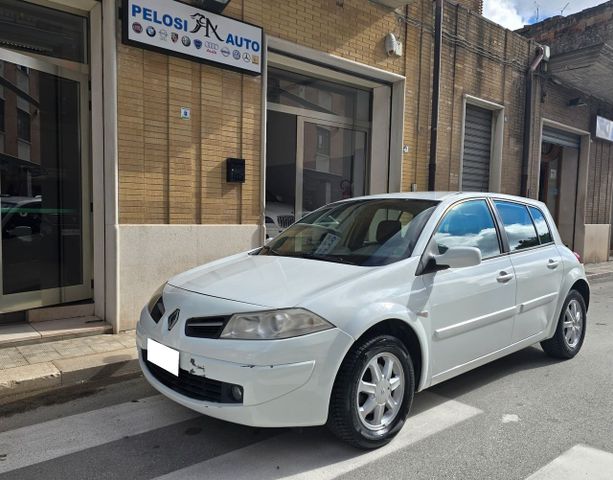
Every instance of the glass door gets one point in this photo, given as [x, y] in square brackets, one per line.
[331, 160]
[44, 187]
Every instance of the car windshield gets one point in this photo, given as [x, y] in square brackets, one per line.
[361, 232]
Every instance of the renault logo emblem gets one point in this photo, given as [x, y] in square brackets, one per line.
[173, 318]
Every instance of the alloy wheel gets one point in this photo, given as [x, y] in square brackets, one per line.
[380, 391]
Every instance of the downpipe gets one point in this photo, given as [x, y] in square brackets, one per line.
[528, 120]
[436, 89]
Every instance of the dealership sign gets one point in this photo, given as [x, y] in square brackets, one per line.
[604, 128]
[179, 29]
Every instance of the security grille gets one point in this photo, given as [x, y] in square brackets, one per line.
[477, 149]
[560, 137]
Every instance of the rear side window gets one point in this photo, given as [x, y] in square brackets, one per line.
[541, 225]
[517, 224]
[468, 224]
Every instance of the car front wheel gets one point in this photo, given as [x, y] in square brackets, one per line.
[570, 331]
[373, 392]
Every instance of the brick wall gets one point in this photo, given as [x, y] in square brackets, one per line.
[480, 59]
[173, 170]
[592, 26]
[600, 171]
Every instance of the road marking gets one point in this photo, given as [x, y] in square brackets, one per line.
[579, 462]
[314, 456]
[45, 441]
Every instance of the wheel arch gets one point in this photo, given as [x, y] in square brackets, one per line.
[583, 288]
[409, 337]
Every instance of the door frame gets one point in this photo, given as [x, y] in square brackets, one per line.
[301, 120]
[78, 73]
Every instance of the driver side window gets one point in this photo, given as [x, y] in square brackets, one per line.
[468, 224]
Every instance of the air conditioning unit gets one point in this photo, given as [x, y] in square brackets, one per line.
[392, 3]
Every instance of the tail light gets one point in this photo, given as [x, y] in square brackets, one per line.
[578, 257]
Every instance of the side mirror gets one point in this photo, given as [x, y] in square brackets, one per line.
[458, 257]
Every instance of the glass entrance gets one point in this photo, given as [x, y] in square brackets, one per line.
[317, 144]
[44, 194]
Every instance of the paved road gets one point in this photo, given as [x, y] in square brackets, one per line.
[524, 416]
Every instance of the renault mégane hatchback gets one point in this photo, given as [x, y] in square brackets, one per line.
[347, 313]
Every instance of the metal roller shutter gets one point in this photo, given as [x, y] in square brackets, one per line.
[560, 137]
[477, 149]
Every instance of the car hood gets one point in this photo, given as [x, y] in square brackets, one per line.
[267, 281]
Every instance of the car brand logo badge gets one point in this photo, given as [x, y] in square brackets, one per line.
[137, 27]
[198, 44]
[236, 54]
[173, 318]
[225, 51]
[247, 57]
[151, 31]
[174, 37]
[163, 35]
[186, 41]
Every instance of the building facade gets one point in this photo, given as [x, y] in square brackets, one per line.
[122, 158]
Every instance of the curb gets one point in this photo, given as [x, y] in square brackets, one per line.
[21, 382]
[599, 276]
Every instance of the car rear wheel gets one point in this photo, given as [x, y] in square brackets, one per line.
[570, 332]
[373, 392]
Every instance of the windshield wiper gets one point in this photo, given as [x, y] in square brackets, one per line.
[324, 257]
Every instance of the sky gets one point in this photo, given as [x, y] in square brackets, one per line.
[514, 14]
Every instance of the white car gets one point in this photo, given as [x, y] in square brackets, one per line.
[346, 314]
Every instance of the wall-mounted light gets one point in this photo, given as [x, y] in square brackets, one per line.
[215, 6]
[576, 102]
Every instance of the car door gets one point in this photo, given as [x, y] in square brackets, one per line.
[470, 309]
[537, 264]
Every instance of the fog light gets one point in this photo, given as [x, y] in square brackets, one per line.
[237, 393]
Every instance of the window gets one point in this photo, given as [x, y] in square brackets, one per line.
[23, 125]
[469, 224]
[518, 225]
[541, 226]
[367, 233]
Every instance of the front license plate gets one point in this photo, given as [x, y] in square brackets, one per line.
[163, 356]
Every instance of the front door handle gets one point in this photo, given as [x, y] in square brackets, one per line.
[504, 277]
[553, 263]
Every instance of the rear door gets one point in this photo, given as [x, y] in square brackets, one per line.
[471, 309]
[537, 264]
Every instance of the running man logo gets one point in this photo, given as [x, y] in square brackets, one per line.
[203, 22]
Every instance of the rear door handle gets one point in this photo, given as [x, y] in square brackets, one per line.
[504, 277]
[553, 263]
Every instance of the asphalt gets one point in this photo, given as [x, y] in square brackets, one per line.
[522, 414]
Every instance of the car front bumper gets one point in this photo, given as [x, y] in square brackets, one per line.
[285, 382]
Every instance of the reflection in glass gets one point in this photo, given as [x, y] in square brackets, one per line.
[40, 180]
[357, 232]
[296, 90]
[334, 165]
[468, 224]
[541, 225]
[518, 225]
[43, 31]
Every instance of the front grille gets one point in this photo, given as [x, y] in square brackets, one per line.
[285, 221]
[206, 327]
[193, 386]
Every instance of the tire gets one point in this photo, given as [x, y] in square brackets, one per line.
[366, 431]
[567, 340]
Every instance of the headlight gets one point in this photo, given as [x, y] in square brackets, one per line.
[274, 324]
[156, 304]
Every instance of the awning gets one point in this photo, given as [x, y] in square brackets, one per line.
[589, 70]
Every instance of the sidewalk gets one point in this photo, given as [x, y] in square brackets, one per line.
[599, 271]
[31, 369]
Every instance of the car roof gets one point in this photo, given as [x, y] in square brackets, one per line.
[448, 196]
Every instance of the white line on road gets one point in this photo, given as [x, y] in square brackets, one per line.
[45, 441]
[580, 462]
[315, 457]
